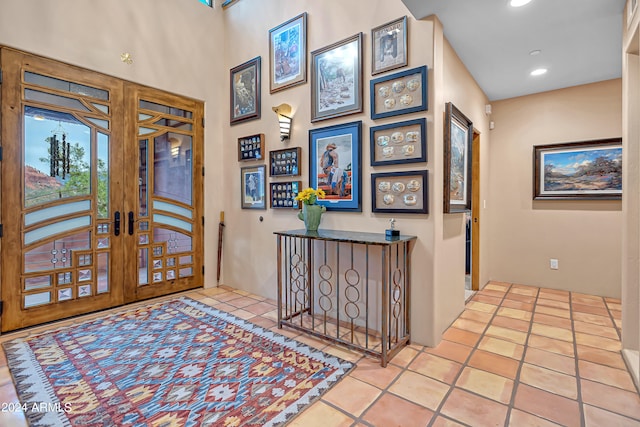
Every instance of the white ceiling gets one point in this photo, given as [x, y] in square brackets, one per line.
[580, 41]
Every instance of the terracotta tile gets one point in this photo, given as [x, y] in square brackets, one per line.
[312, 341]
[5, 376]
[445, 422]
[507, 334]
[226, 296]
[476, 316]
[519, 297]
[524, 290]
[212, 291]
[553, 303]
[385, 412]
[497, 286]
[587, 299]
[243, 314]
[552, 332]
[502, 347]
[461, 336]
[436, 367]
[492, 293]
[360, 395]
[616, 314]
[518, 305]
[546, 319]
[8, 393]
[420, 389]
[495, 363]
[259, 308]
[486, 384]
[263, 321]
[485, 299]
[593, 318]
[590, 309]
[13, 419]
[611, 398]
[474, 410]
[523, 419]
[451, 350]
[552, 345]
[287, 332]
[514, 313]
[603, 374]
[613, 304]
[601, 331]
[482, 307]
[509, 323]
[598, 342]
[559, 312]
[242, 301]
[224, 307]
[551, 381]
[273, 315]
[596, 417]
[603, 357]
[321, 415]
[547, 405]
[556, 362]
[554, 294]
[370, 371]
[405, 356]
[343, 353]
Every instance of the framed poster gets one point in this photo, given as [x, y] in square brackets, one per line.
[578, 170]
[400, 192]
[245, 91]
[334, 165]
[389, 46]
[458, 137]
[403, 142]
[336, 79]
[288, 54]
[400, 93]
[253, 187]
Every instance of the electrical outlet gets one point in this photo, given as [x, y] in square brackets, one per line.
[553, 264]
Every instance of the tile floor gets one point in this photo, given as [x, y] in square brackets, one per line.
[517, 356]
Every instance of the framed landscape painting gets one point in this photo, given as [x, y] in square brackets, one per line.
[458, 137]
[288, 53]
[578, 170]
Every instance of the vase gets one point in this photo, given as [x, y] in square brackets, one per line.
[311, 215]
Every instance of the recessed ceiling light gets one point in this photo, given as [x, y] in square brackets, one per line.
[518, 3]
[538, 71]
[535, 52]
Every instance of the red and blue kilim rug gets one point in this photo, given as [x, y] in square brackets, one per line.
[175, 363]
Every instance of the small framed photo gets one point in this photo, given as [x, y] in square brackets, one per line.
[587, 170]
[389, 46]
[334, 165]
[251, 147]
[336, 79]
[284, 162]
[283, 194]
[403, 142]
[400, 93]
[253, 187]
[400, 192]
[245, 91]
[288, 54]
[458, 137]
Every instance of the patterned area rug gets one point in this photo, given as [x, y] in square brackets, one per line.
[176, 363]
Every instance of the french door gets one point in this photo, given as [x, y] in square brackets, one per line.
[100, 202]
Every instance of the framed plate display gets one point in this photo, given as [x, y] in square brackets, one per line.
[284, 162]
[400, 192]
[245, 91]
[403, 142]
[253, 187]
[389, 46]
[288, 54]
[336, 79]
[251, 147]
[334, 165]
[400, 93]
[458, 137]
[587, 170]
[283, 194]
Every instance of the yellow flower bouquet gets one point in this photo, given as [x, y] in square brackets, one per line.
[309, 196]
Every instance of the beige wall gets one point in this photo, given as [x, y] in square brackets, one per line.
[585, 236]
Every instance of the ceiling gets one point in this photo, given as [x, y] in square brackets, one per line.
[580, 41]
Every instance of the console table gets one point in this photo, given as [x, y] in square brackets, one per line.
[348, 287]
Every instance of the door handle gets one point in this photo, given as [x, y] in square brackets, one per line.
[116, 224]
[131, 222]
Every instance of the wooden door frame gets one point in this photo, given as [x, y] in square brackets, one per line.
[475, 211]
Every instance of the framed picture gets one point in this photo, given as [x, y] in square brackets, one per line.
[334, 165]
[578, 170]
[389, 46]
[336, 79]
[288, 54]
[251, 147]
[253, 187]
[245, 91]
[284, 162]
[400, 93]
[283, 194]
[458, 137]
[400, 192]
[403, 142]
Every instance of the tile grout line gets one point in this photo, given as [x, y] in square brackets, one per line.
[577, 360]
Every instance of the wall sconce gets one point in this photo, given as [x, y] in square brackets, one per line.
[284, 119]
